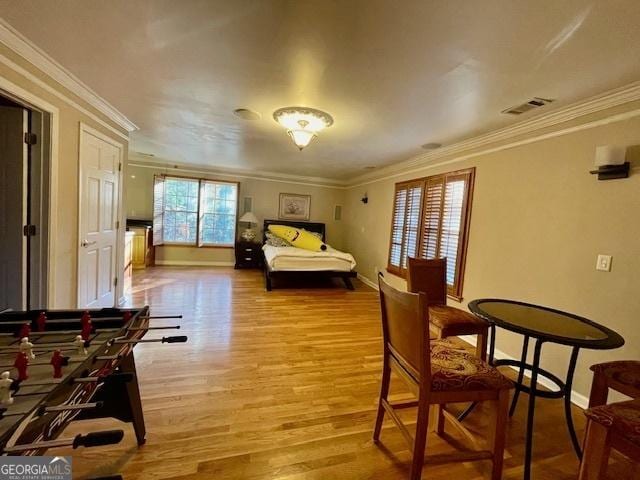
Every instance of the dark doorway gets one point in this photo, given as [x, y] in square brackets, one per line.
[23, 207]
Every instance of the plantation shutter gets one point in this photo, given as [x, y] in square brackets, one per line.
[445, 223]
[405, 225]
[397, 228]
[158, 209]
[412, 222]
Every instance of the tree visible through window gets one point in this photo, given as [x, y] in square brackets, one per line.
[431, 220]
[190, 211]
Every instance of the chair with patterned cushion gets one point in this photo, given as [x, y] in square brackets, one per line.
[622, 376]
[617, 426]
[430, 277]
[437, 372]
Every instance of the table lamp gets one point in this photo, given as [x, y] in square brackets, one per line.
[249, 234]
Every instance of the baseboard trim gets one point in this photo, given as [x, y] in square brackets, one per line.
[367, 281]
[576, 398]
[190, 263]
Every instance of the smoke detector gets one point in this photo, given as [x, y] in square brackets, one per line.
[535, 102]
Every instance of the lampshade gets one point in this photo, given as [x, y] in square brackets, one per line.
[249, 217]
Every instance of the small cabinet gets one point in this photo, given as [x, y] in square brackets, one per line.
[142, 254]
[248, 255]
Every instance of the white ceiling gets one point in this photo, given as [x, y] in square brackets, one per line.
[393, 74]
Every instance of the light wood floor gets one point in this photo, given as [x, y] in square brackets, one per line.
[283, 385]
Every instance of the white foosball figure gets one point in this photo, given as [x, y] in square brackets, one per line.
[79, 343]
[5, 389]
[26, 347]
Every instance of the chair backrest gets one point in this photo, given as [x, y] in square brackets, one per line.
[405, 328]
[430, 277]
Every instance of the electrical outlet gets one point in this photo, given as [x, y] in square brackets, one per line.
[603, 263]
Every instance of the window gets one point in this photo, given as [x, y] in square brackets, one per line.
[191, 211]
[431, 220]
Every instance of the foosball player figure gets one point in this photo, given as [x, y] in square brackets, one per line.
[58, 361]
[21, 363]
[5, 389]
[126, 316]
[25, 331]
[26, 347]
[87, 328]
[41, 322]
[80, 345]
[86, 317]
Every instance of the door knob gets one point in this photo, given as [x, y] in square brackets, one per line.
[86, 243]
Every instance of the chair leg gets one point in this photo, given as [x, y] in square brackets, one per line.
[599, 390]
[595, 457]
[481, 345]
[436, 420]
[498, 434]
[420, 442]
[384, 392]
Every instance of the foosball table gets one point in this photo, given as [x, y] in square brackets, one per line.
[63, 365]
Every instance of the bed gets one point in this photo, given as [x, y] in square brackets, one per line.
[291, 262]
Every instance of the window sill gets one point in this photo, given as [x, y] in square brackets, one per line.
[191, 245]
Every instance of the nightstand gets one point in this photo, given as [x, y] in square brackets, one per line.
[248, 254]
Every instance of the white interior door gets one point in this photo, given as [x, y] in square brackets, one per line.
[13, 191]
[100, 163]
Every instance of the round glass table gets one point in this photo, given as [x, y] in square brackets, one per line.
[544, 325]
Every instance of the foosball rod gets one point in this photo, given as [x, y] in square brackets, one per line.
[142, 329]
[63, 408]
[160, 317]
[95, 439]
[175, 339]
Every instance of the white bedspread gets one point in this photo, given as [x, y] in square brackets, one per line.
[299, 259]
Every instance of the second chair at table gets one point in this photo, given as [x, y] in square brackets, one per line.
[430, 277]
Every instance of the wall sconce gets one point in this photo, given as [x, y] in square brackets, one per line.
[610, 162]
[365, 199]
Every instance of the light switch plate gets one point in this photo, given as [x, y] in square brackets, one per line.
[603, 263]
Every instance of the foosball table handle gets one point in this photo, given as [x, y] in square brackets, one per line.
[96, 439]
[175, 339]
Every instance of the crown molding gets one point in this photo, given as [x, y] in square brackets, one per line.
[612, 98]
[22, 46]
[168, 166]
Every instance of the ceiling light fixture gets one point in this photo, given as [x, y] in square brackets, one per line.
[302, 123]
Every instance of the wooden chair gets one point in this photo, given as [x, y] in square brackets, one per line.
[622, 376]
[437, 372]
[430, 277]
[616, 425]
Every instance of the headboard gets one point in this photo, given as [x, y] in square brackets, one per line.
[309, 226]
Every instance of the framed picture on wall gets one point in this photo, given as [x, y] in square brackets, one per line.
[294, 206]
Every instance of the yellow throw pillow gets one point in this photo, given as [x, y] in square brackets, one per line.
[298, 237]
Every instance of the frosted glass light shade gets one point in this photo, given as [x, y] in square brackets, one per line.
[609, 155]
[302, 123]
[301, 138]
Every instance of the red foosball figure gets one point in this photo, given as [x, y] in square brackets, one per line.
[41, 321]
[126, 316]
[87, 327]
[86, 317]
[25, 331]
[21, 363]
[57, 361]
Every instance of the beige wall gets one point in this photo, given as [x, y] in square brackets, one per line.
[66, 241]
[538, 221]
[139, 202]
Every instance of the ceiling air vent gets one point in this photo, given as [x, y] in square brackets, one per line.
[535, 102]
